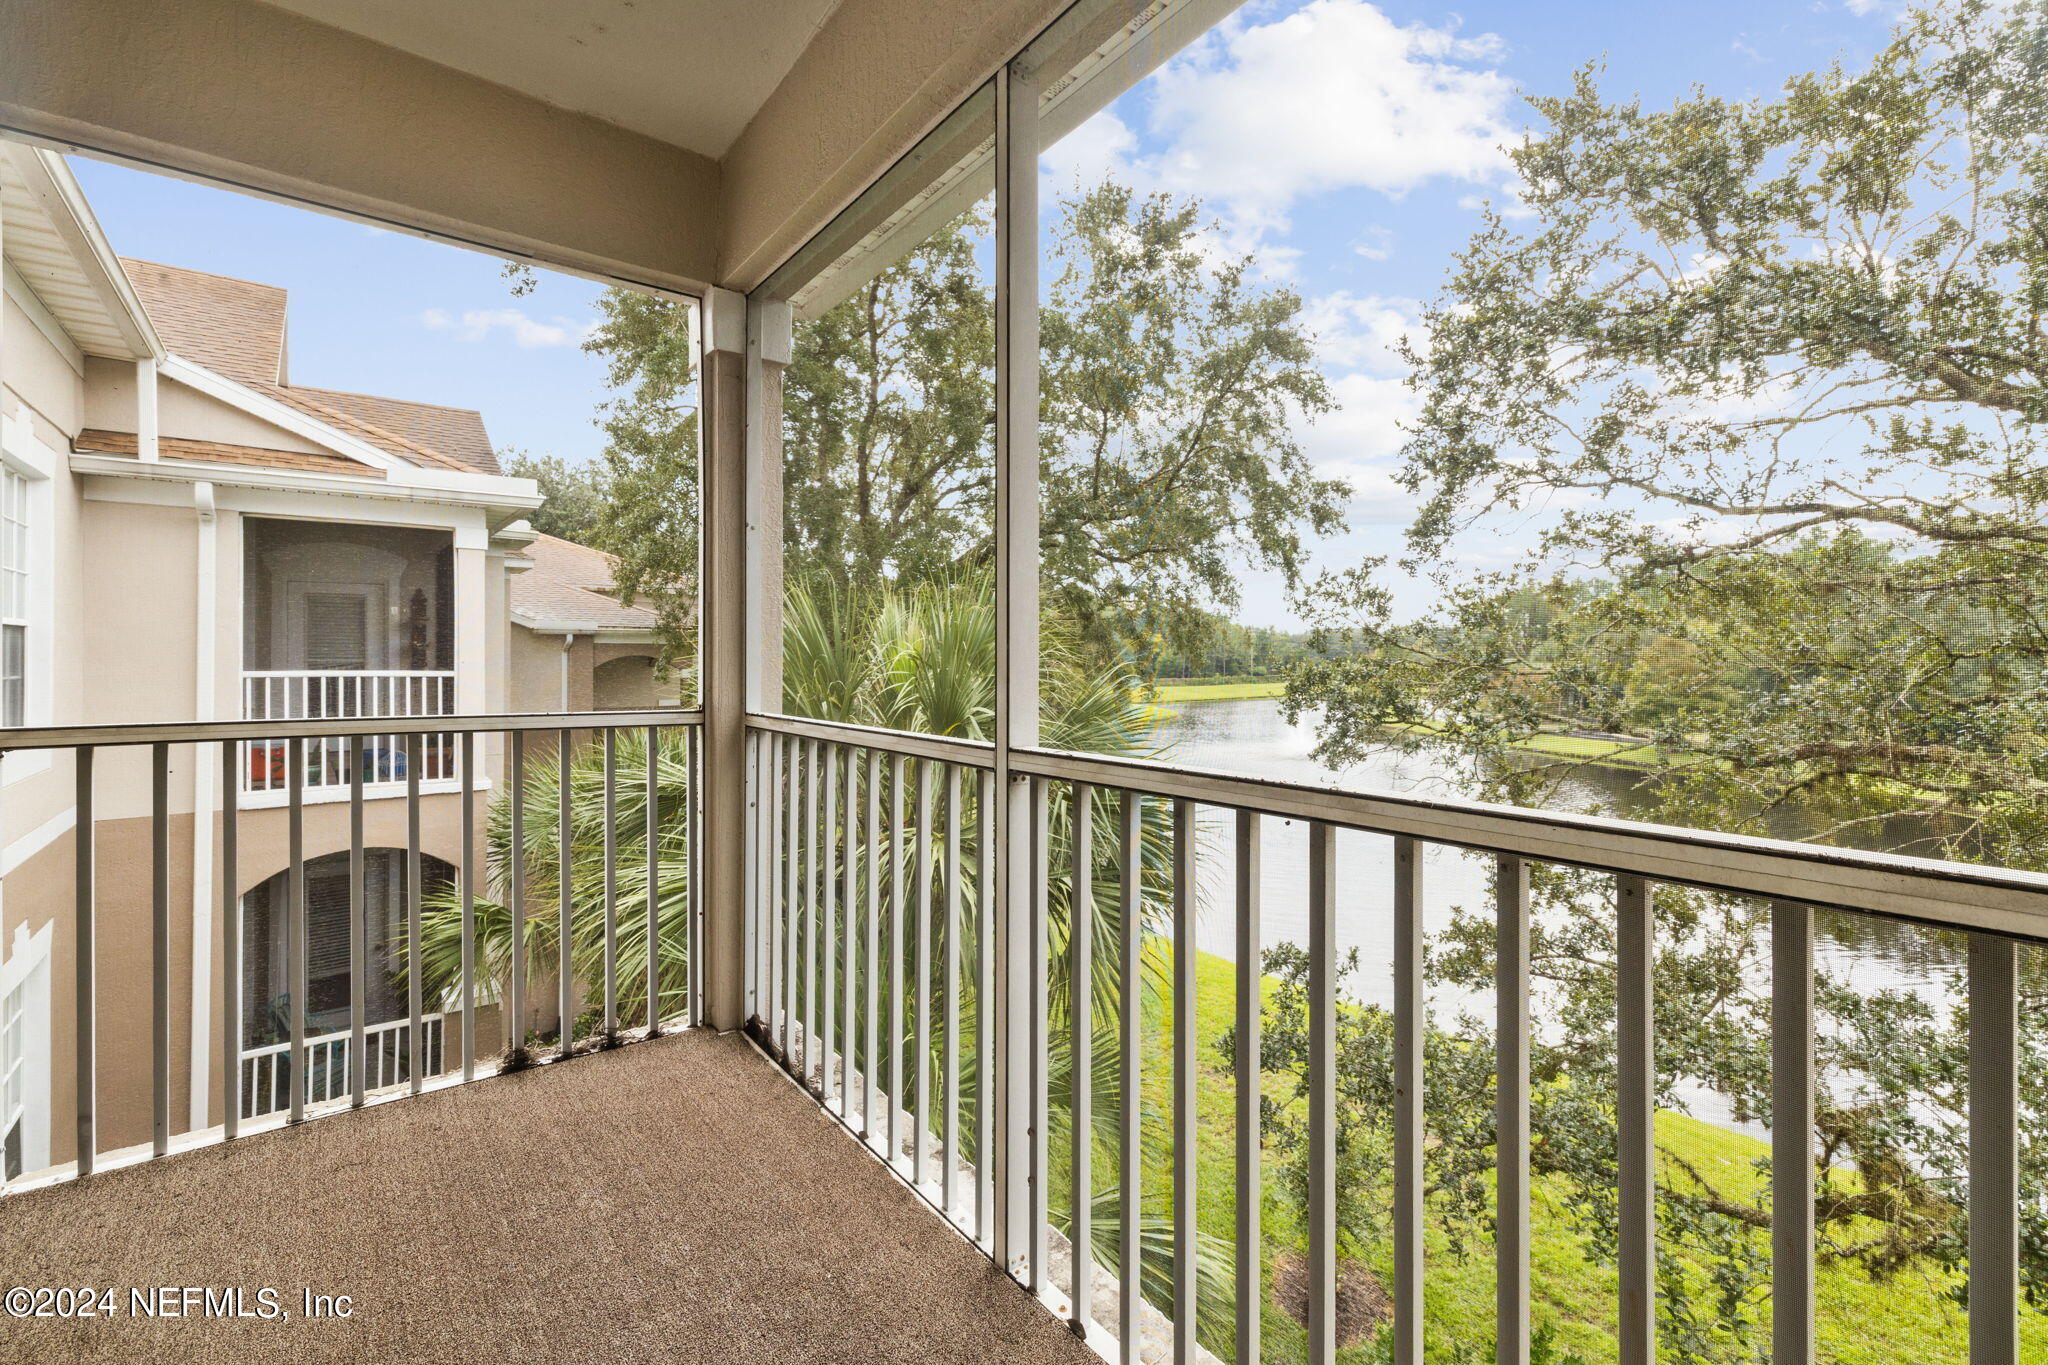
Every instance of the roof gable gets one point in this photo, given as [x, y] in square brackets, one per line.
[235, 327]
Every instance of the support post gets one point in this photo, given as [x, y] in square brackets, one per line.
[722, 659]
[1016, 705]
[770, 339]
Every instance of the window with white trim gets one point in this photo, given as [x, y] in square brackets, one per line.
[14, 598]
[13, 1080]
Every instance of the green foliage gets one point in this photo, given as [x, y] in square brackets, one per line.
[1778, 363]
[650, 522]
[1170, 390]
[441, 917]
[578, 496]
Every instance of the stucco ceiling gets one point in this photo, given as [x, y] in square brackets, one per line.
[690, 72]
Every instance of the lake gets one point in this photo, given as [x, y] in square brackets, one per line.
[1252, 737]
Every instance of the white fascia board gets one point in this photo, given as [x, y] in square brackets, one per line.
[40, 317]
[213, 385]
[50, 182]
[121, 478]
[603, 633]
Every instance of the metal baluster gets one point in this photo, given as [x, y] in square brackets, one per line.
[1081, 1026]
[1130, 975]
[693, 885]
[230, 945]
[1411, 1014]
[611, 885]
[828, 941]
[1635, 1062]
[358, 929]
[1322, 1093]
[1792, 1101]
[468, 875]
[949, 1103]
[652, 801]
[416, 1036]
[1994, 1198]
[792, 895]
[515, 1020]
[922, 992]
[565, 894]
[753, 858]
[85, 991]
[849, 818]
[984, 996]
[160, 947]
[1184, 1296]
[1251, 1290]
[871, 845]
[1038, 1205]
[295, 923]
[897, 880]
[1511, 1111]
[813, 799]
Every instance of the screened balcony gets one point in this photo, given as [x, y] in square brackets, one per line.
[747, 1035]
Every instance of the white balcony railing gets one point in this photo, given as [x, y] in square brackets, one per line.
[387, 1061]
[336, 694]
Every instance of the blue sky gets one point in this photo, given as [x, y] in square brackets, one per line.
[1346, 144]
[380, 312]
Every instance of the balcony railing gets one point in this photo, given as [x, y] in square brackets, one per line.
[345, 1069]
[879, 958]
[267, 1071]
[342, 694]
[900, 897]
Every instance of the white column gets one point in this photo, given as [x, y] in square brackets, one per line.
[769, 350]
[145, 408]
[1016, 711]
[472, 628]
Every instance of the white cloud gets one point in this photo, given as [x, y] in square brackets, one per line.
[1367, 423]
[527, 332]
[1099, 149]
[1376, 499]
[1362, 331]
[1333, 96]
[1374, 244]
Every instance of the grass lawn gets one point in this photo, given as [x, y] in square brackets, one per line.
[1861, 1322]
[1230, 691]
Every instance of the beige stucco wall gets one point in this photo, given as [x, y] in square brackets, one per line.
[180, 411]
[534, 674]
[36, 373]
[40, 890]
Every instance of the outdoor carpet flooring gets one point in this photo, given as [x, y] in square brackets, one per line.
[674, 1200]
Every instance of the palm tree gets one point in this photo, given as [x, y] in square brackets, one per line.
[921, 660]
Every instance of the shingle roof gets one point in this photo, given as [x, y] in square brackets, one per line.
[219, 452]
[569, 586]
[456, 432]
[237, 329]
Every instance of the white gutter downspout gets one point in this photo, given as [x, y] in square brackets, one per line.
[204, 779]
[568, 641]
[145, 411]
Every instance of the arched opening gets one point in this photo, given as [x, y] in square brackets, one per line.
[266, 977]
[628, 684]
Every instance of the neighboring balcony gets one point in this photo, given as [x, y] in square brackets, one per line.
[347, 694]
[346, 622]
